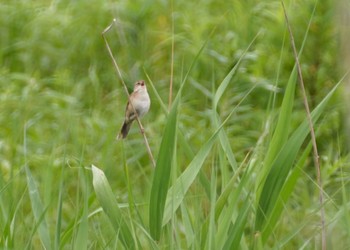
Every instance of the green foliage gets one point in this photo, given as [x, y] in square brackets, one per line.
[281, 166]
[38, 211]
[162, 172]
[234, 162]
[110, 206]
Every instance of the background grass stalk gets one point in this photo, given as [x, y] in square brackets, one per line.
[172, 55]
[312, 132]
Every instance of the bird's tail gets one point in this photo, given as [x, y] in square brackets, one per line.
[124, 131]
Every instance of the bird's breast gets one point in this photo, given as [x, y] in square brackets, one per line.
[141, 104]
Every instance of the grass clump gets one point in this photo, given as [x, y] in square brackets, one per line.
[234, 168]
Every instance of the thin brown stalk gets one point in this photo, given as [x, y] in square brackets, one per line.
[312, 132]
[126, 90]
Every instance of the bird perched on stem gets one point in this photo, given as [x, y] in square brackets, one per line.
[141, 102]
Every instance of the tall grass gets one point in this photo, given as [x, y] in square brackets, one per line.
[233, 164]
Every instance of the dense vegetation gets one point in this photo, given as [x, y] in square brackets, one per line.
[248, 184]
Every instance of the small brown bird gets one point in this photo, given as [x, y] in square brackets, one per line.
[141, 102]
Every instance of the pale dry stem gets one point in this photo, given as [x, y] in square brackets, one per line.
[312, 132]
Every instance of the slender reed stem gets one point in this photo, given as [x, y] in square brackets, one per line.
[126, 90]
[312, 132]
[172, 57]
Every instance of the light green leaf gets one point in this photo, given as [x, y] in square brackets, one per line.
[110, 206]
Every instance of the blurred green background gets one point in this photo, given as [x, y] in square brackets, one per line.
[62, 104]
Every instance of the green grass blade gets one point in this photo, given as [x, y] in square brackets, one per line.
[184, 181]
[81, 241]
[224, 84]
[8, 236]
[110, 206]
[59, 212]
[38, 210]
[188, 227]
[161, 177]
[230, 196]
[212, 225]
[280, 135]
[162, 172]
[185, 145]
[281, 132]
[282, 165]
[82, 236]
[223, 198]
[160, 100]
[35, 228]
[225, 144]
[237, 229]
[286, 191]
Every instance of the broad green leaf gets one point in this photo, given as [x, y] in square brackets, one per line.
[282, 166]
[38, 210]
[282, 152]
[280, 135]
[281, 132]
[182, 184]
[286, 191]
[184, 143]
[162, 172]
[184, 181]
[110, 206]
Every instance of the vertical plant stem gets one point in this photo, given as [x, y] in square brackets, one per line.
[172, 56]
[312, 132]
[127, 92]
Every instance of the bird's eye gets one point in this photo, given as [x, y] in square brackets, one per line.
[142, 83]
